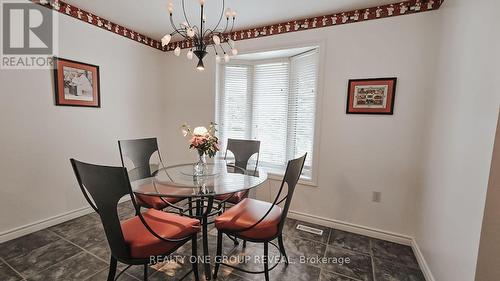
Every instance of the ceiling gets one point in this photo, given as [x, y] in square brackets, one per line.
[151, 17]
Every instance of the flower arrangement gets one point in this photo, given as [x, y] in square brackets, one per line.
[202, 139]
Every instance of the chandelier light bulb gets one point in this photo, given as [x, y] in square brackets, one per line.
[228, 12]
[189, 54]
[204, 17]
[216, 39]
[165, 40]
[190, 32]
[177, 51]
[234, 52]
[170, 7]
[226, 58]
[185, 24]
[202, 2]
[200, 66]
[217, 58]
[233, 13]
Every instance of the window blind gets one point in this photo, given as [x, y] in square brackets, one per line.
[270, 111]
[234, 103]
[274, 102]
[302, 106]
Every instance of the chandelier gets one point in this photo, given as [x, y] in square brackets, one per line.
[200, 37]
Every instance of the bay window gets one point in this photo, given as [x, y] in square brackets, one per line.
[273, 101]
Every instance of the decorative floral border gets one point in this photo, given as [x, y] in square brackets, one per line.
[80, 14]
[379, 12]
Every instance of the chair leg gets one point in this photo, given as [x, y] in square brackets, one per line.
[244, 243]
[282, 248]
[266, 265]
[180, 210]
[190, 206]
[194, 254]
[235, 240]
[222, 209]
[218, 256]
[112, 269]
[146, 272]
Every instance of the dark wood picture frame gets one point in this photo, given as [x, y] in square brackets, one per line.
[387, 100]
[62, 91]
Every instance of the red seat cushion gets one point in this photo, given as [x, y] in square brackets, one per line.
[248, 212]
[155, 201]
[235, 199]
[144, 244]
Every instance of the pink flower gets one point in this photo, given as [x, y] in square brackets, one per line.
[198, 140]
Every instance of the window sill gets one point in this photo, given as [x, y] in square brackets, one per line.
[302, 181]
[275, 174]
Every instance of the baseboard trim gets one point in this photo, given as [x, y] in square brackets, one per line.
[45, 223]
[421, 261]
[354, 228]
[370, 232]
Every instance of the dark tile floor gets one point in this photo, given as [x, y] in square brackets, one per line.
[78, 250]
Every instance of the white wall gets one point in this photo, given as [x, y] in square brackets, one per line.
[358, 154]
[461, 126]
[37, 138]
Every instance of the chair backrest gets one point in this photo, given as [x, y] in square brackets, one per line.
[242, 151]
[139, 151]
[291, 178]
[106, 186]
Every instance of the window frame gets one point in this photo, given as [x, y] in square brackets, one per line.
[320, 46]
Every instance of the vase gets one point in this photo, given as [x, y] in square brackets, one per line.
[200, 166]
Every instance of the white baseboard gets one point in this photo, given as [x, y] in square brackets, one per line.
[354, 228]
[370, 232]
[45, 223]
[421, 261]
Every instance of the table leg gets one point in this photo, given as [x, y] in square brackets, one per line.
[200, 212]
[206, 254]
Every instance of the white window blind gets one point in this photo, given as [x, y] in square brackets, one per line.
[234, 112]
[274, 102]
[270, 111]
[302, 106]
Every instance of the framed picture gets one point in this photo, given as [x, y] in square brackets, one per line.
[76, 83]
[371, 96]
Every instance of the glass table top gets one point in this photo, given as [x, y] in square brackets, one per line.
[219, 178]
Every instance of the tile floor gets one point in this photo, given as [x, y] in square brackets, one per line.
[77, 250]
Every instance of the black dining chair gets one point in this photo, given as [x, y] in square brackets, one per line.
[133, 241]
[258, 221]
[140, 151]
[242, 150]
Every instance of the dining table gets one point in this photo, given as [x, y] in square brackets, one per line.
[206, 192]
